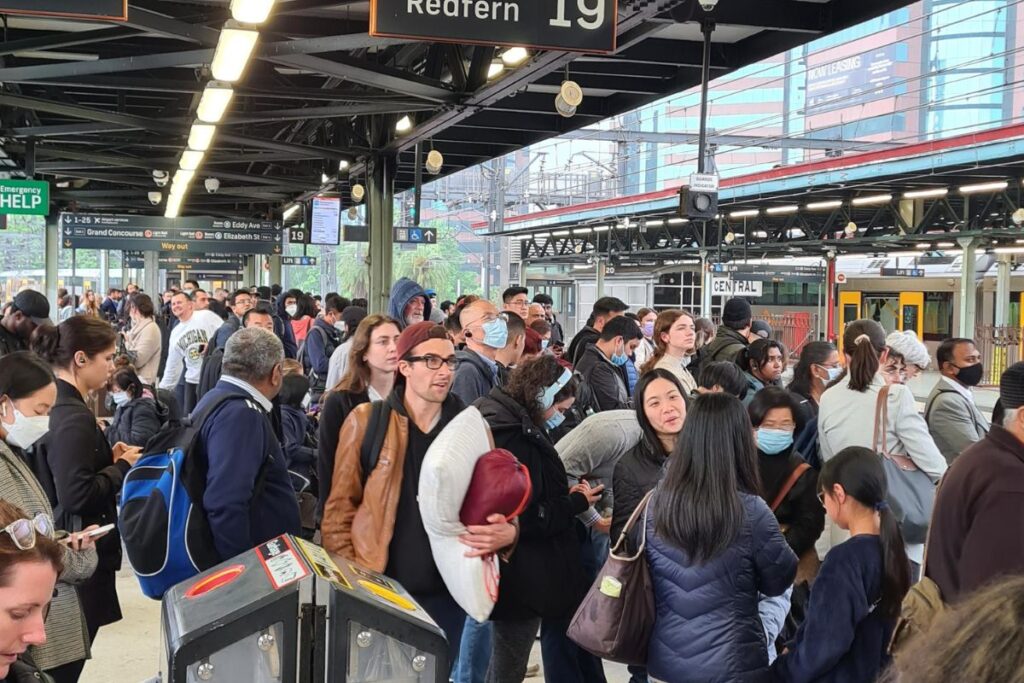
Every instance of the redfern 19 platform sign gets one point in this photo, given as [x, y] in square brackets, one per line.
[571, 25]
[111, 10]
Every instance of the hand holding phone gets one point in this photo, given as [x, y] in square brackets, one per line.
[86, 538]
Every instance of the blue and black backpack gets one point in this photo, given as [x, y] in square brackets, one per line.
[164, 527]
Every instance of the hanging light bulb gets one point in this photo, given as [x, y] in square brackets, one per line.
[434, 162]
[851, 228]
[569, 97]
[358, 192]
[730, 237]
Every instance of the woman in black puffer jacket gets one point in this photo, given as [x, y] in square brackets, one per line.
[138, 416]
[544, 578]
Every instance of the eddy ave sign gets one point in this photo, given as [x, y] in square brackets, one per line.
[24, 197]
[572, 25]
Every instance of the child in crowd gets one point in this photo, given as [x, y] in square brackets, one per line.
[856, 597]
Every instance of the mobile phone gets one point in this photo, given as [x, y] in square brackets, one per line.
[101, 531]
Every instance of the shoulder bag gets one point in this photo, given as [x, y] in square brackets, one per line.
[911, 491]
[616, 618]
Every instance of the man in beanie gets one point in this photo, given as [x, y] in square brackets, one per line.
[372, 517]
[733, 334]
[977, 529]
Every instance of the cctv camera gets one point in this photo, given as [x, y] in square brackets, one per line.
[160, 178]
[155, 197]
[212, 185]
[708, 5]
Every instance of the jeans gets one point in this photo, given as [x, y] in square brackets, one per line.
[449, 616]
[474, 652]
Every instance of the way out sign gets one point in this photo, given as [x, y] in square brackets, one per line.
[722, 286]
[24, 197]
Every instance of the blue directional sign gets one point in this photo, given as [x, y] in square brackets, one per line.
[415, 235]
[298, 260]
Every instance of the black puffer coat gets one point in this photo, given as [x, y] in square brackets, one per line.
[635, 474]
[544, 577]
[136, 422]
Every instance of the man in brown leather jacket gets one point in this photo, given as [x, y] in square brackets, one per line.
[375, 519]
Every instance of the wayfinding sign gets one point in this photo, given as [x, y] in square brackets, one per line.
[298, 260]
[415, 235]
[199, 234]
[572, 25]
[24, 197]
[723, 286]
[173, 260]
[771, 273]
[113, 10]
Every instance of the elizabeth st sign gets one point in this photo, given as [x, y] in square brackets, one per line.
[201, 234]
[572, 25]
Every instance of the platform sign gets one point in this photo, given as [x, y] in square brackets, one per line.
[298, 234]
[24, 197]
[194, 234]
[298, 260]
[112, 10]
[211, 262]
[415, 235]
[326, 218]
[722, 286]
[902, 272]
[771, 273]
[570, 25]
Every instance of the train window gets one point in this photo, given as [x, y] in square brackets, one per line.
[938, 315]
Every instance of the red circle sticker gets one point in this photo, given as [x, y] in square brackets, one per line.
[214, 581]
[841, 278]
[148, 233]
[199, 235]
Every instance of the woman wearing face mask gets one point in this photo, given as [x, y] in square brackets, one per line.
[303, 315]
[674, 335]
[27, 392]
[75, 464]
[790, 487]
[138, 417]
[646, 317]
[544, 578]
[373, 360]
[144, 340]
[30, 562]
[846, 417]
[817, 368]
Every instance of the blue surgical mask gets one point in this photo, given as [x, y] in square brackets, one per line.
[495, 333]
[833, 373]
[773, 441]
[619, 359]
[544, 344]
[554, 421]
[120, 397]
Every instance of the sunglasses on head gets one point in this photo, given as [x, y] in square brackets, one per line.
[23, 531]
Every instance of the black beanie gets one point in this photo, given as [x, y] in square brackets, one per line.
[736, 311]
[1011, 387]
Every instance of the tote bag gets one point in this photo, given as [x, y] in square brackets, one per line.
[616, 618]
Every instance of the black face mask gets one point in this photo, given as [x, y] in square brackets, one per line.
[971, 375]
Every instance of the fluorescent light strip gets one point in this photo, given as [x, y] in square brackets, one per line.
[233, 51]
[601, 228]
[560, 233]
[190, 159]
[542, 234]
[924, 194]
[214, 102]
[776, 210]
[290, 211]
[746, 213]
[677, 221]
[251, 11]
[655, 223]
[200, 136]
[871, 199]
[583, 231]
[1009, 250]
[821, 206]
[984, 187]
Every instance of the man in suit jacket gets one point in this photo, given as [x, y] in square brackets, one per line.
[953, 417]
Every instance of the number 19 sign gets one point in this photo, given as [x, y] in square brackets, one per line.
[571, 25]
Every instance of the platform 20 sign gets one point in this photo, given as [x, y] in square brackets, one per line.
[571, 25]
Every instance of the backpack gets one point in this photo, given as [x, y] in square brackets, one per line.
[162, 522]
[317, 384]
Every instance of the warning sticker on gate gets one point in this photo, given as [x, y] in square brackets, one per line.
[322, 563]
[281, 562]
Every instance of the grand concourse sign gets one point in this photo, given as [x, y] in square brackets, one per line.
[111, 10]
[571, 25]
[199, 234]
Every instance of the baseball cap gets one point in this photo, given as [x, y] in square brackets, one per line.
[1011, 387]
[761, 329]
[33, 305]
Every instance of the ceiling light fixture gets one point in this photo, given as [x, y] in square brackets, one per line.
[200, 136]
[290, 211]
[778, 210]
[343, 165]
[925, 194]
[514, 56]
[984, 187]
[233, 51]
[746, 213]
[496, 68]
[602, 228]
[190, 159]
[1009, 250]
[871, 199]
[214, 102]
[677, 221]
[404, 124]
[821, 206]
[251, 11]
[569, 97]
[434, 163]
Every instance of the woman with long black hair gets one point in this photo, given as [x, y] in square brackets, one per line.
[817, 368]
[856, 598]
[712, 547]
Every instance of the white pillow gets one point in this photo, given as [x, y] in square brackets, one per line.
[444, 479]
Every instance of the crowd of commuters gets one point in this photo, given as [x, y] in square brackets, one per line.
[775, 529]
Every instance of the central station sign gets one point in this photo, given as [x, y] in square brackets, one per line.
[571, 25]
[113, 10]
[199, 234]
[24, 197]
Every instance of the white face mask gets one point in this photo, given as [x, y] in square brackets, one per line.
[291, 310]
[120, 397]
[26, 430]
[340, 326]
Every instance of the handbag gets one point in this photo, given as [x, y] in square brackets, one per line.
[616, 618]
[911, 491]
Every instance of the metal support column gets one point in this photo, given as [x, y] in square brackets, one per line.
[275, 270]
[830, 297]
[151, 275]
[51, 261]
[707, 27]
[705, 284]
[968, 294]
[1003, 289]
[104, 273]
[601, 271]
[380, 207]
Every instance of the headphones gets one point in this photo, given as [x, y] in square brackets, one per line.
[467, 334]
[81, 361]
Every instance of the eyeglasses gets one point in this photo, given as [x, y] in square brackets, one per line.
[23, 531]
[435, 362]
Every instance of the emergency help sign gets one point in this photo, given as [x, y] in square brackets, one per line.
[721, 286]
[24, 197]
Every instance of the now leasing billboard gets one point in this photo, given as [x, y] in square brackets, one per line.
[24, 197]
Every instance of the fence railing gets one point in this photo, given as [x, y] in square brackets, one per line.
[792, 330]
[1000, 347]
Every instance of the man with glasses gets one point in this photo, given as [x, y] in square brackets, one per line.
[372, 517]
[240, 302]
[486, 333]
[516, 301]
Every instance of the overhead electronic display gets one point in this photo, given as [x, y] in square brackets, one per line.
[325, 223]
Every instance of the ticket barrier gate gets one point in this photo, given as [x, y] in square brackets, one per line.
[290, 612]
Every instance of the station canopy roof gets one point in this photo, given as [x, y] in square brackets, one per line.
[107, 103]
